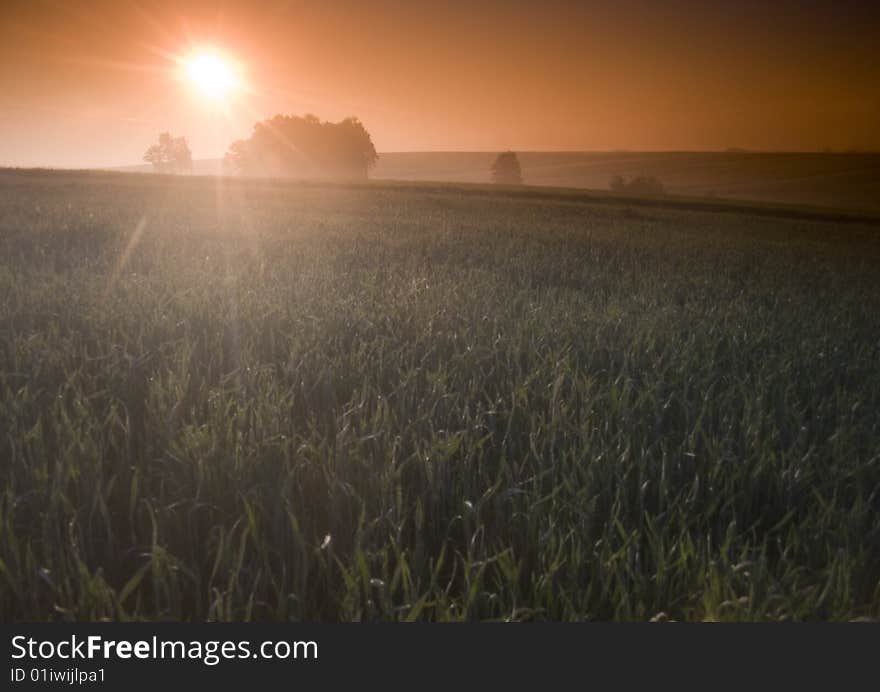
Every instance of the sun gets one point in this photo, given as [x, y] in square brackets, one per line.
[212, 74]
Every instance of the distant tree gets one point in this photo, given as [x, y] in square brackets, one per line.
[289, 145]
[506, 169]
[638, 185]
[170, 155]
[617, 183]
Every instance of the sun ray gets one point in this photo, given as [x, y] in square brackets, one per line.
[133, 240]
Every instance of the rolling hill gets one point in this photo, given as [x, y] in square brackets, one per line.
[840, 180]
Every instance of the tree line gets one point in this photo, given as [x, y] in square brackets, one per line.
[283, 146]
[307, 147]
[301, 147]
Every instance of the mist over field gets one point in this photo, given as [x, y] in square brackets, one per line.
[840, 180]
[848, 181]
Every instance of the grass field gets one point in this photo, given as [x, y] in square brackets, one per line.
[234, 400]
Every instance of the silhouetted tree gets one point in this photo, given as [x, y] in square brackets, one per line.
[617, 183]
[639, 185]
[289, 145]
[170, 155]
[506, 170]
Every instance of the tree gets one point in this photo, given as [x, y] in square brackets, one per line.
[170, 155]
[639, 185]
[617, 183]
[306, 147]
[506, 170]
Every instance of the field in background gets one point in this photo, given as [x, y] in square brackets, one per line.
[850, 181]
[845, 181]
[226, 399]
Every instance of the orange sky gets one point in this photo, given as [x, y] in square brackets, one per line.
[92, 83]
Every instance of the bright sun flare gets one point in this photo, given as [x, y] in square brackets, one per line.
[211, 74]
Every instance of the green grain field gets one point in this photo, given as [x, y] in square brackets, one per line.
[227, 400]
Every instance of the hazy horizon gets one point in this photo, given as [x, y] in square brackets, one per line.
[91, 84]
[413, 152]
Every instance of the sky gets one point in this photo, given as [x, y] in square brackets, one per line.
[91, 83]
